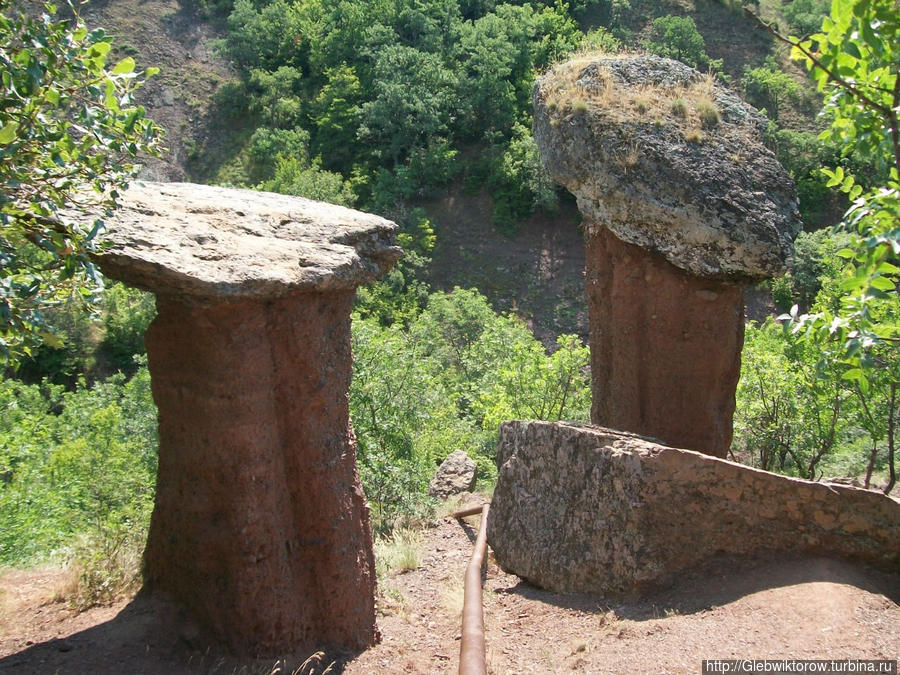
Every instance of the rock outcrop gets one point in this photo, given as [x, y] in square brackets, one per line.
[456, 474]
[260, 525]
[683, 206]
[585, 509]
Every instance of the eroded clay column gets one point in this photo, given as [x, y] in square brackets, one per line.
[683, 207]
[260, 525]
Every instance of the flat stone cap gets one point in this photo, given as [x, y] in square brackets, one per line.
[670, 161]
[210, 244]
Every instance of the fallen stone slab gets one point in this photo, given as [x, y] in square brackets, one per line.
[260, 527]
[580, 508]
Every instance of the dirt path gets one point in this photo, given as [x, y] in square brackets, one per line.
[776, 608]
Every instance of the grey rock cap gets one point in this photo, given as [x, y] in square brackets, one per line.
[669, 161]
[209, 244]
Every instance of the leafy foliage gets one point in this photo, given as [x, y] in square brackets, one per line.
[856, 327]
[390, 93]
[79, 463]
[69, 129]
[677, 37]
[444, 383]
[806, 15]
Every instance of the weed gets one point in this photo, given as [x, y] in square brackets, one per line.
[398, 552]
[105, 566]
[708, 112]
[679, 108]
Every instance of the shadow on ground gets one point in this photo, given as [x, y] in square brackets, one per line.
[153, 636]
[724, 580]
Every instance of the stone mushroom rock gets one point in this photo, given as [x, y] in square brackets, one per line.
[209, 244]
[260, 526]
[704, 193]
[585, 509]
[683, 206]
[455, 475]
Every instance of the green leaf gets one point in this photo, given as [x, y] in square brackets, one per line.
[124, 66]
[8, 133]
[882, 284]
[101, 48]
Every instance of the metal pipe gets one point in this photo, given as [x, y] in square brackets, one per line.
[471, 646]
[474, 511]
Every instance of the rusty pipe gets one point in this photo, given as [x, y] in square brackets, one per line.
[471, 646]
[474, 511]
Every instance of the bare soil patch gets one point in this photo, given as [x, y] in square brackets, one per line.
[774, 607]
[537, 273]
[176, 37]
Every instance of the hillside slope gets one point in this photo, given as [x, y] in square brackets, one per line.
[536, 273]
[173, 36]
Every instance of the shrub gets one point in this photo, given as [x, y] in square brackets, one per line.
[680, 108]
[783, 292]
[677, 37]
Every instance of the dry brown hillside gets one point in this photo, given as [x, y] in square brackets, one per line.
[175, 37]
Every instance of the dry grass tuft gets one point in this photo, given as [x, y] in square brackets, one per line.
[686, 108]
[680, 108]
[707, 112]
[452, 596]
[398, 552]
[694, 136]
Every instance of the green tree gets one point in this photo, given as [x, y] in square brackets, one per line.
[271, 35]
[336, 113]
[414, 100]
[855, 60]
[677, 37]
[69, 130]
[769, 87]
[806, 15]
[274, 96]
[522, 182]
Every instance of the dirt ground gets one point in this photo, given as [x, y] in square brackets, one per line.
[776, 607]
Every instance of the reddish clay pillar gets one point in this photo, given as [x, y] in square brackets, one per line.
[665, 362]
[260, 526]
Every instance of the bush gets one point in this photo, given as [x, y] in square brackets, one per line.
[783, 292]
[677, 37]
[294, 177]
[768, 87]
[127, 313]
[80, 464]
[521, 182]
